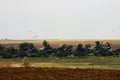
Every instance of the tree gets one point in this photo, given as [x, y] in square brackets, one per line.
[61, 51]
[117, 52]
[64, 51]
[69, 50]
[87, 48]
[2, 50]
[47, 47]
[42, 53]
[79, 51]
[98, 48]
[2, 47]
[102, 48]
[98, 45]
[12, 52]
[27, 47]
[80, 48]
[106, 47]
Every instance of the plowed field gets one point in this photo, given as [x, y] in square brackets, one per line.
[58, 74]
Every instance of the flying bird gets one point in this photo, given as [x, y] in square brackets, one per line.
[35, 36]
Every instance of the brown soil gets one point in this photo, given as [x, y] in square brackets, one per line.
[5, 64]
[57, 74]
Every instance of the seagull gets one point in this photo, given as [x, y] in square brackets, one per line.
[29, 30]
[35, 36]
[112, 30]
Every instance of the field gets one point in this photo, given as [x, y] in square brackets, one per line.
[58, 74]
[109, 62]
[52, 68]
[57, 43]
[87, 68]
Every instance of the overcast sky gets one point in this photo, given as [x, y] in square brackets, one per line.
[60, 19]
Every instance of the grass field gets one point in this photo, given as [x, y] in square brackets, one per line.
[75, 62]
[86, 62]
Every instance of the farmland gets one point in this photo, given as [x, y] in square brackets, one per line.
[58, 74]
[57, 43]
[87, 68]
[60, 68]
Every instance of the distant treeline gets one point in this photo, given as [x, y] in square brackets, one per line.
[29, 50]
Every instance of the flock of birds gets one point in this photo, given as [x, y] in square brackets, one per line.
[35, 36]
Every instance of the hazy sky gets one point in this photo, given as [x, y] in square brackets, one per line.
[60, 19]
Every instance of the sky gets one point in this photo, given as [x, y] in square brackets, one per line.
[59, 19]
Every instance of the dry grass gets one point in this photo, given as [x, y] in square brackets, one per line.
[56, 43]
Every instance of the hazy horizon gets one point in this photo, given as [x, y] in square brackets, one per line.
[59, 19]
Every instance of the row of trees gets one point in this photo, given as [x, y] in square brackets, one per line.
[28, 49]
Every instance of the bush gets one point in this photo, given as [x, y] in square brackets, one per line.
[42, 53]
[27, 47]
